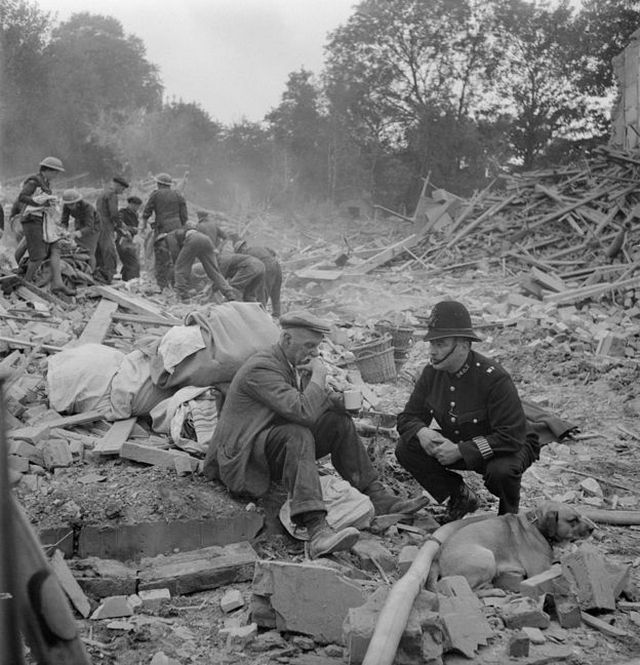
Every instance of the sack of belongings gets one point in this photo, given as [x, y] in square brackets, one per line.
[346, 506]
[212, 345]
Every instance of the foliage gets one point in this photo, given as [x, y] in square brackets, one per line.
[24, 30]
[456, 90]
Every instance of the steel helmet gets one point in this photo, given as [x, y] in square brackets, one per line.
[163, 179]
[52, 163]
[70, 196]
[450, 319]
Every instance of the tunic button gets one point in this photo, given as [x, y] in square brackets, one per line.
[453, 420]
[452, 388]
[452, 403]
[457, 432]
[475, 420]
[477, 364]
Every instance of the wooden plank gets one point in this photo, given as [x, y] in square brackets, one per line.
[314, 272]
[155, 456]
[68, 582]
[138, 318]
[98, 326]
[75, 420]
[585, 292]
[548, 281]
[134, 303]
[603, 626]
[24, 344]
[111, 442]
[476, 222]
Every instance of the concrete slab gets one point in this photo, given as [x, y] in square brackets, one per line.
[206, 568]
[308, 598]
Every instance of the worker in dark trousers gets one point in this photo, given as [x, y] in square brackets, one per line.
[244, 273]
[169, 208]
[272, 272]
[107, 207]
[184, 246]
[125, 243]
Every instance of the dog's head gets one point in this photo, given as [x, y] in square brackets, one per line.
[558, 522]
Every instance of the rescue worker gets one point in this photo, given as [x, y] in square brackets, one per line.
[184, 246]
[211, 227]
[272, 272]
[107, 207]
[86, 222]
[278, 418]
[33, 208]
[480, 423]
[244, 273]
[170, 213]
[125, 244]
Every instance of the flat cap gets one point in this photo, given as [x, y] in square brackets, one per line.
[301, 319]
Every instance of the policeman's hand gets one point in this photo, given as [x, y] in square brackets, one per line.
[429, 440]
[447, 453]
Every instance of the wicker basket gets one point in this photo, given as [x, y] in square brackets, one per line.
[372, 346]
[377, 367]
[401, 336]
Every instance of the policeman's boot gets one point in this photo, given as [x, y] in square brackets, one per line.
[386, 503]
[461, 502]
[324, 540]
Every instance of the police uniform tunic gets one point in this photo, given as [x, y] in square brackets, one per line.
[479, 409]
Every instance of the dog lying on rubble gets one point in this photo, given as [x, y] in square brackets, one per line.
[503, 550]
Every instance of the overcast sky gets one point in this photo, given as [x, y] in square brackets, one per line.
[233, 57]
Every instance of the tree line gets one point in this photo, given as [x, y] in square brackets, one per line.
[461, 90]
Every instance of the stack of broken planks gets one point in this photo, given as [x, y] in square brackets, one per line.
[39, 438]
[557, 219]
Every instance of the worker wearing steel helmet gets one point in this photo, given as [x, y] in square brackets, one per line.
[33, 208]
[478, 420]
[170, 213]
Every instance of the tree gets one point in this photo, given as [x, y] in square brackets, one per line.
[604, 29]
[24, 31]
[96, 69]
[399, 67]
[298, 132]
[536, 83]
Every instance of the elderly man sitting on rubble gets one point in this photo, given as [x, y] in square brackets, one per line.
[279, 416]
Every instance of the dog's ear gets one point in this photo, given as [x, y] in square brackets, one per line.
[549, 524]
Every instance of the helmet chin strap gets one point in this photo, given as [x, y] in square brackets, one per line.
[453, 348]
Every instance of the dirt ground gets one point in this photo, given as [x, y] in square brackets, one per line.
[556, 369]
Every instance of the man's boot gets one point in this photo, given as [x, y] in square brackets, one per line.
[461, 502]
[324, 540]
[386, 503]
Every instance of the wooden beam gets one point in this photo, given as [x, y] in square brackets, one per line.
[134, 303]
[111, 442]
[137, 318]
[585, 292]
[98, 326]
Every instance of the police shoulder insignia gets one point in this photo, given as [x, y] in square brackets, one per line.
[490, 369]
